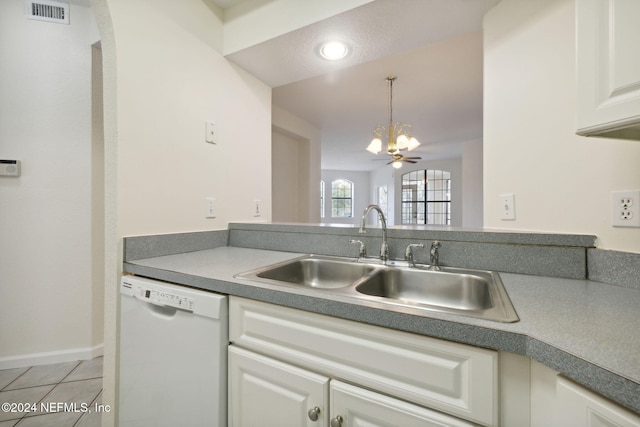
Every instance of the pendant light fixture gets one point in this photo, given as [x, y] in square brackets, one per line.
[399, 136]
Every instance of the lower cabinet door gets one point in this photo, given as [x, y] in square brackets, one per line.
[579, 407]
[353, 406]
[265, 392]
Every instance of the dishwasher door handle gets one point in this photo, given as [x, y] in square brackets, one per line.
[162, 311]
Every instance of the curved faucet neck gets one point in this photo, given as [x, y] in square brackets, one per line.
[384, 249]
[380, 215]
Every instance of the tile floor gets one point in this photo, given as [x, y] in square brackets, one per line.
[47, 389]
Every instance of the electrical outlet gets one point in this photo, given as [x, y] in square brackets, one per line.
[507, 207]
[625, 208]
[256, 208]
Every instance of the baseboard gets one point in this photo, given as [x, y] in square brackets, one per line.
[46, 358]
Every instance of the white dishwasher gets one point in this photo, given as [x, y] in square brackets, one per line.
[173, 355]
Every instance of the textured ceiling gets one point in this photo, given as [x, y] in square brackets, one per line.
[434, 47]
[374, 31]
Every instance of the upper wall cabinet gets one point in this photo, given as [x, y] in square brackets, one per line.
[608, 68]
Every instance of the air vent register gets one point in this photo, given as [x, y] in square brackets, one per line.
[49, 11]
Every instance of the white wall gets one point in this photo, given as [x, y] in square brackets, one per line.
[97, 190]
[296, 170]
[46, 290]
[362, 194]
[169, 82]
[287, 175]
[164, 76]
[562, 182]
[472, 184]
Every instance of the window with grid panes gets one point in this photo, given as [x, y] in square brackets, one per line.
[342, 198]
[426, 197]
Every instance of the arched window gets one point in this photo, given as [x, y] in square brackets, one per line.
[426, 197]
[341, 198]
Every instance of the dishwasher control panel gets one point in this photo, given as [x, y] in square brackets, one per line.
[156, 294]
[152, 291]
[160, 297]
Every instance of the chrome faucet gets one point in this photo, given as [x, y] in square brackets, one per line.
[384, 248]
[434, 262]
[408, 254]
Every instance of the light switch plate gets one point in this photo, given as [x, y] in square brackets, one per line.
[210, 133]
[210, 204]
[507, 207]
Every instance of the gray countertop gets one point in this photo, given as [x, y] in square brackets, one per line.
[588, 331]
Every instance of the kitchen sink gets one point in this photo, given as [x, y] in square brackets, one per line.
[473, 293]
[316, 272]
[459, 291]
[465, 292]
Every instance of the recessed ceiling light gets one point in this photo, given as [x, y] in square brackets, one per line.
[334, 50]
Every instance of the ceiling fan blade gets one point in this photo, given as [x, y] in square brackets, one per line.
[414, 158]
[390, 162]
[409, 161]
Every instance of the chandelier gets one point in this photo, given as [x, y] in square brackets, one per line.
[399, 136]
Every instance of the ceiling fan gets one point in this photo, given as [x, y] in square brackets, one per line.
[397, 158]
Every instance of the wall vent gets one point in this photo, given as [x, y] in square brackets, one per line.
[49, 11]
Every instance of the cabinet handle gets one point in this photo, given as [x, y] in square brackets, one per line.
[337, 421]
[313, 413]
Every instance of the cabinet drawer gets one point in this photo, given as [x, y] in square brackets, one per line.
[360, 407]
[454, 378]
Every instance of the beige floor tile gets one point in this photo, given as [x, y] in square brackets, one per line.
[85, 370]
[59, 419]
[43, 375]
[76, 384]
[31, 395]
[9, 375]
[82, 392]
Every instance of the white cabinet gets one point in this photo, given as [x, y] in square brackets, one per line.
[577, 407]
[608, 68]
[285, 362]
[452, 378]
[559, 402]
[267, 392]
[353, 406]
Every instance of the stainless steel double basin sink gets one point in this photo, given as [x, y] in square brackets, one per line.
[473, 293]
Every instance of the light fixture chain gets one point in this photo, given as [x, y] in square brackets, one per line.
[390, 79]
